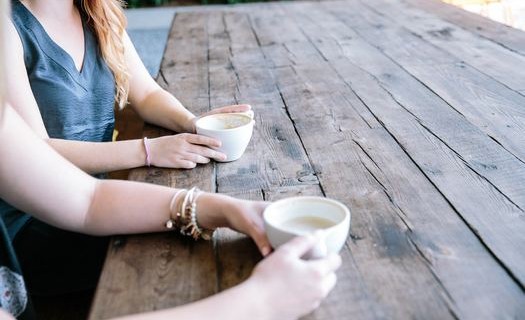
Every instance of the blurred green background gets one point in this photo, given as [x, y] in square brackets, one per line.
[153, 3]
[146, 3]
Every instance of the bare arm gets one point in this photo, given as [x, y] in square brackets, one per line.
[81, 203]
[154, 104]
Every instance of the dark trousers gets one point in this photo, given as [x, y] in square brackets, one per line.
[57, 262]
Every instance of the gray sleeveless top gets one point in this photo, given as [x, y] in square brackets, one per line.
[74, 105]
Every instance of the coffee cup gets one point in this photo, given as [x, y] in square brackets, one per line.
[298, 216]
[234, 130]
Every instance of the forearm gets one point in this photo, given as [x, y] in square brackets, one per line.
[219, 306]
[101, 157]
[78, 202]
[161, 108]
[123, 207]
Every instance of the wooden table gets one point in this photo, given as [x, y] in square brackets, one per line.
[411, 112]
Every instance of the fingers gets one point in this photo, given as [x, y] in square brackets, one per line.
[232, 108]
[207, 152]
[328, 284]
[262, 242]
[196, 158]
[298, 246]
[197, 147]
[185, 164]
[202, 140]
[327, 265]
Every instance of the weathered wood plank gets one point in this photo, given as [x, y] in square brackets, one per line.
[490, 106]
[486, 211]
[236, 65]
[439, 237]
[392, 265]
[476, 200]
[501, 34]
[502, 109]
[150, 272]
[273, 27]
[238, 73]
[436, 232]
[493, 108]
[140, 271]
[426, 216]
[333, 157]
[486, 56]
[482, 161]
[184, 67]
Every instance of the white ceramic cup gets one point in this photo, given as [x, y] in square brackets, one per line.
[234, 130]
[297, 216]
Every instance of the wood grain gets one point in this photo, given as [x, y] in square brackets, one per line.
[501, 34]
[483, 54]
[275, 156]
[419, 134]
[139, 272]
[354, 73]
[333, 156]
[395, 81]
[492, 107]
[440, 238]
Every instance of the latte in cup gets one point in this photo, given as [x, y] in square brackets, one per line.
[307, 224]
[234, 130]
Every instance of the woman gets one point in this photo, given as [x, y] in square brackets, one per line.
[69, 61]
[282, 286]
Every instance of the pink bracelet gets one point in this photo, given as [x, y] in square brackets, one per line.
[148, 155]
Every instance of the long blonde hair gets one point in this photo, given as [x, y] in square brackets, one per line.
[108, 21]
[4, 11]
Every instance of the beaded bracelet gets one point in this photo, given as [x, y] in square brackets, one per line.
[189, 207]
[186, 218]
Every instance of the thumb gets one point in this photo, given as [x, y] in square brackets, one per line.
[262, 242]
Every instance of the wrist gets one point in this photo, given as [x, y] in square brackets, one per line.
[190, 124]
[211, 210]
[254, 287]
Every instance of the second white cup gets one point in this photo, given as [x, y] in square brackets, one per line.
[234, 130]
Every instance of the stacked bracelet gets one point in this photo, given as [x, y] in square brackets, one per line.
[186, 218]
[174, 221]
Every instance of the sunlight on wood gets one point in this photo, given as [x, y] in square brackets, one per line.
[509, 12]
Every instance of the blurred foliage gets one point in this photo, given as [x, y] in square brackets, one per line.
[145, 3]
[149, 3]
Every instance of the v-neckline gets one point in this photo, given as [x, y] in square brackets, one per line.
[58, 47]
